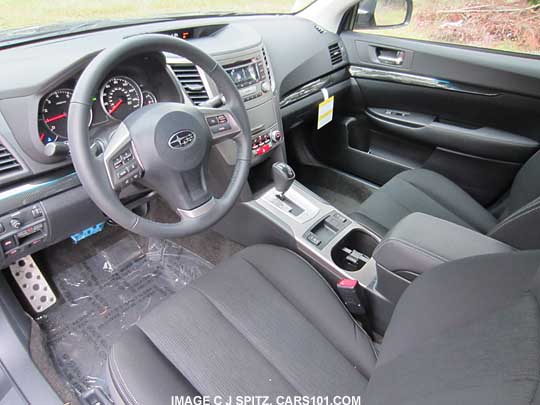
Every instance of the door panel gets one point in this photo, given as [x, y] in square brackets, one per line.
[471, 115]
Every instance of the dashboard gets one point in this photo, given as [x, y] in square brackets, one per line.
[275, 70]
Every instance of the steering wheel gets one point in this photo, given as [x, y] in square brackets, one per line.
[163, 146]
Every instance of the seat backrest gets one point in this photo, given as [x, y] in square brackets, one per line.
[526, 186]
[467, 332]
[520, 224]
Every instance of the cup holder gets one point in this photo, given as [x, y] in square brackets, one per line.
[354, 250]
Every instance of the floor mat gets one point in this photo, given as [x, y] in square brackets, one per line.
[104, 295]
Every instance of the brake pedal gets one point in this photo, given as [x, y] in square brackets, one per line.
[33, 284]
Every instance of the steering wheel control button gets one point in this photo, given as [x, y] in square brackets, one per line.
[212, 121]
[127, 156]
[122, 165]
[220, 128]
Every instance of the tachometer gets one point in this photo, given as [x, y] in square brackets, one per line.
[120, 96]
[53, 116]
[54, 110]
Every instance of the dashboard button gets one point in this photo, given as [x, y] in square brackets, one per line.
[12, 252]
[15, 223]
[36, 212]
[276, 135]
[313, 239]
[8, 244]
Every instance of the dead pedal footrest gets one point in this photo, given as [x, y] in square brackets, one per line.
[33, 284]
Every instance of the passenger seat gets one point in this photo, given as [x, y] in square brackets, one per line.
[421, 190]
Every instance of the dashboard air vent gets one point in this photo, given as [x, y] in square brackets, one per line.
[8, 162]
[190, 80]
[267, 65]
[320, 29]
[335, 54]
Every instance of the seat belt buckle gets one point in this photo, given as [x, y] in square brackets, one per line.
[351, 294]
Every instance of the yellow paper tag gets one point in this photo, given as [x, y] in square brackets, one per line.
[326, 112]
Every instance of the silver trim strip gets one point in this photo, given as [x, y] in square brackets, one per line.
[199, 211]
[416, 80]
[27, 188]
[305, 91]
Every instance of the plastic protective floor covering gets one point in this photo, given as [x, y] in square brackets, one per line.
[104, 295]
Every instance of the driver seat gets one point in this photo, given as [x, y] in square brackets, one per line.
[265, 323]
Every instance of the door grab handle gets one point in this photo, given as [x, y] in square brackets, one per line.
[392, 60]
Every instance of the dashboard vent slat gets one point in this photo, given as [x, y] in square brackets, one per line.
[8, 162]
[335, 54]
[320, 29]
[267, 65]
[190, 80]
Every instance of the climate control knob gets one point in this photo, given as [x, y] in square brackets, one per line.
[276, 135]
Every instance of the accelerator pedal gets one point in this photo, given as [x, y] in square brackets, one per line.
[33, 284]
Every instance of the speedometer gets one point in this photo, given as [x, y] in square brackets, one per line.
[120, 96]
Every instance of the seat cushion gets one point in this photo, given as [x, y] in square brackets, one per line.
[265, 323]
[421, 190]
[467, 332]
[262, 323]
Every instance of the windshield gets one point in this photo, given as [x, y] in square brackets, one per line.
[42, 16]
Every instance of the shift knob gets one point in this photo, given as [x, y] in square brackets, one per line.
[283, 176]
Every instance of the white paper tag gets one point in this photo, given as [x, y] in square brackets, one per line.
[326, 110]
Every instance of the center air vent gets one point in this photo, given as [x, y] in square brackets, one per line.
[335, 54]
[190, 80]
[8, 162]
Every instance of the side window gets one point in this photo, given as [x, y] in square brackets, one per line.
[507, 25]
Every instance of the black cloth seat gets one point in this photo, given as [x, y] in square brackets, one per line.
[421, 190]
[266, 323]
[425, 191]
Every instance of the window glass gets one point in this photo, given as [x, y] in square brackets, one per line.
[507, 25]
[35, 13]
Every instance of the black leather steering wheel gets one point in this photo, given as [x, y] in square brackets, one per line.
[163, 146]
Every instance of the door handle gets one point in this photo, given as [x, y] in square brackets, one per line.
[390, 57]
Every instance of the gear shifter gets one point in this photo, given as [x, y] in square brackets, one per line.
[283, 176]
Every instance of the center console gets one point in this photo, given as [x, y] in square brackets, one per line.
[341, 248]
[337, 245]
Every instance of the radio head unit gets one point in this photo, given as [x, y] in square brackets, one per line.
[250, 77]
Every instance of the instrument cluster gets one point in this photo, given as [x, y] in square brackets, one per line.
[118, 96]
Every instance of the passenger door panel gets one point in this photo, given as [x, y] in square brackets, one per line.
[468, 114]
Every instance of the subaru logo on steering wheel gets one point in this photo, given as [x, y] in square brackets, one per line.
[181, 139]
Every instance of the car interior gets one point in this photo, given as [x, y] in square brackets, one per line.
[268, 207]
